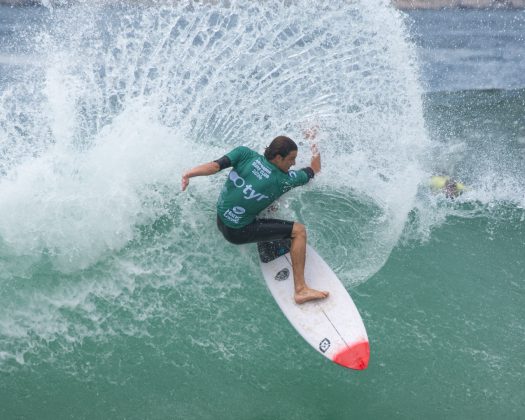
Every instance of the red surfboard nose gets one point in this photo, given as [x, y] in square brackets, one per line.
[354, 357]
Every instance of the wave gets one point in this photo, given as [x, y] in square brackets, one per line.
[95, 139]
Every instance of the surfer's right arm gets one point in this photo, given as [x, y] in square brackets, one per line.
[205, 169]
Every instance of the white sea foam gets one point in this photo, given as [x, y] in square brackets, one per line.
[130, 97]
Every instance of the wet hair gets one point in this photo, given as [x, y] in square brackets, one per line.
[281, 145]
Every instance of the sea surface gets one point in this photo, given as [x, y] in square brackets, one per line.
[119, 299]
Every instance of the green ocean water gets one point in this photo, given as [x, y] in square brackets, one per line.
[444, 317]
[118, 296]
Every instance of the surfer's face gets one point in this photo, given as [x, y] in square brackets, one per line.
[285, 163]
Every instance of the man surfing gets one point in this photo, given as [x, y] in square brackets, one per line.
[447, 185]
[253, 184]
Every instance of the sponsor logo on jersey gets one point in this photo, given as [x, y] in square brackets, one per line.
[260, 171]
[248, 191]
[232, 217]
[239, 210]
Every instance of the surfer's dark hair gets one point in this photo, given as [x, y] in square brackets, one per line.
[281, 145]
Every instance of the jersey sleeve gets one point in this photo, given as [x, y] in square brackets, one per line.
[300, 177]
[239, 154]
[223, 162]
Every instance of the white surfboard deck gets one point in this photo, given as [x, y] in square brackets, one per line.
[333, 325]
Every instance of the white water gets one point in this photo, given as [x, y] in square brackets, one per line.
[95, 140]
[128, 98]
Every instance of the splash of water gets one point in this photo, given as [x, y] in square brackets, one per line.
[127, 97]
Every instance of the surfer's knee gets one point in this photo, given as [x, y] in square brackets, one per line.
[298, 230]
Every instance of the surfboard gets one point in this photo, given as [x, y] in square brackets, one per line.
[332, 326]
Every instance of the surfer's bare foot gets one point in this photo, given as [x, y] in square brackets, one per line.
[306, 294]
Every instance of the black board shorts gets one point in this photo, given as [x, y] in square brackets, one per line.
[260, 230]
[273, 236]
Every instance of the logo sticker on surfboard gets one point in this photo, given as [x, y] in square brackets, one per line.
[324, 345]
[282, 275]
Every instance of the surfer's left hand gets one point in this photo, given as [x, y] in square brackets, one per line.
[314, 149]
[185, 182]
[315, 162]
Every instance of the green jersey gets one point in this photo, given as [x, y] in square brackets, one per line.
[252, 185]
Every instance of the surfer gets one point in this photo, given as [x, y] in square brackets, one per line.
[253, 184]
[447, 185]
